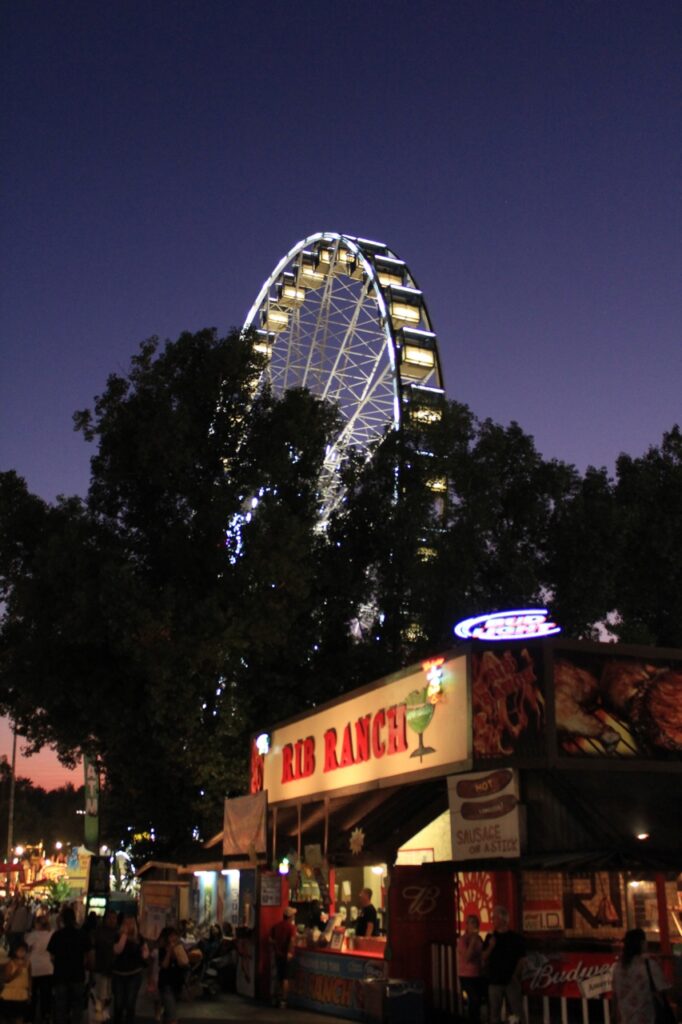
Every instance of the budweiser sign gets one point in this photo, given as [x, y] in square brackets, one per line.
[569, 975]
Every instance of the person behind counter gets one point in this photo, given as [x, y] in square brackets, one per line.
[317, 917]
[367, 921]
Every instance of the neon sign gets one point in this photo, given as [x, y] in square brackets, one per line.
[433, 669]
[522, 624]
[263, 744]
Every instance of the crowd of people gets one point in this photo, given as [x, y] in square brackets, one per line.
[54, 970]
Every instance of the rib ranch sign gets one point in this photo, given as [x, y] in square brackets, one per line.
[409, 724]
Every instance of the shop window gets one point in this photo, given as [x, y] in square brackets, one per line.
[642, 907]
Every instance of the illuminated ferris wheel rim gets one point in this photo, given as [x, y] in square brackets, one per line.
[385, 362]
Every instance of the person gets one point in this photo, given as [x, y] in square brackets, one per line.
[317, 917]
[634, 978]
[469, 967]
[15, 998]
[503, 955]
[90, 924]
[41, 969]
[282, 937]
[173, 965]
[68, 948]
[131, 954]
[106, 934]
[367, 922]
[210, 945]
[20, 921]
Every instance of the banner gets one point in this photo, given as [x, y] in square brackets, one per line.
[484, 814]
[507, 702]
[569, 975]
[91, 836]
[618, 707]
[333, 984]
[410, 724]
[244, 825]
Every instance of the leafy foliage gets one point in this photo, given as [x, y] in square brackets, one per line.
[191, 598]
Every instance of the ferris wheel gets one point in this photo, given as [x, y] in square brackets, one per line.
[344, 318]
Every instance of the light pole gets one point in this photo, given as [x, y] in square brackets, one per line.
[10, 811]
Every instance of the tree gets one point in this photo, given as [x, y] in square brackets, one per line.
[192, 598]
[453, 517]
[648, 514]
[145, 625]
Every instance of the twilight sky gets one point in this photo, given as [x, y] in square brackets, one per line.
[523, 157]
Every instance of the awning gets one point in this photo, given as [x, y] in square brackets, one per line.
[387, 818]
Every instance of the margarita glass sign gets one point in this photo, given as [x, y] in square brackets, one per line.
[421, 704]
[522, 624]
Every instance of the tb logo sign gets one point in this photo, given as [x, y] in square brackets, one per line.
[421, 900]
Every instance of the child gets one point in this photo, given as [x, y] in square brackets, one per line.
[15, 998]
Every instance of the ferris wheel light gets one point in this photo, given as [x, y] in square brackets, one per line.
[353, 357]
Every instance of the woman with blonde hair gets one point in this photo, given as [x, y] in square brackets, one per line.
[15, 998]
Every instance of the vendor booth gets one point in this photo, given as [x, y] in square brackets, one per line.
[524, 770]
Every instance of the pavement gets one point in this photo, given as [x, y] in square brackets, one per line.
[228, 1007]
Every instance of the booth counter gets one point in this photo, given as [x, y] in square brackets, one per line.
[334, 981]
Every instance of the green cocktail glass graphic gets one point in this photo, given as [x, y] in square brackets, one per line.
[419, 712]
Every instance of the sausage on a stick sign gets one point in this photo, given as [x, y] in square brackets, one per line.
[485, 814]
[413, 723]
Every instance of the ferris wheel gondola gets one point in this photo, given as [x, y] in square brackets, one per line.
[345, 318]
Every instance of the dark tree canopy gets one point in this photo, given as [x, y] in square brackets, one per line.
[192, 598]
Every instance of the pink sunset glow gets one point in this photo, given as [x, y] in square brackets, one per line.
[42, 769]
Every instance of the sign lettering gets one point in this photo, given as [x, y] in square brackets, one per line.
[523, 624]
[422, 899]
[414, 721]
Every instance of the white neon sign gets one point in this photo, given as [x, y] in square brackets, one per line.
[521, 624]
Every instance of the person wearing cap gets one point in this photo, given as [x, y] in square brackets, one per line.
[282, 937]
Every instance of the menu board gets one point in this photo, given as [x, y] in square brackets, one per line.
[271, 890]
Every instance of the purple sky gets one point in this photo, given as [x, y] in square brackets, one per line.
[522, 157]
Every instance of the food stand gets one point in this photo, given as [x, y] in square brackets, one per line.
[556, 766]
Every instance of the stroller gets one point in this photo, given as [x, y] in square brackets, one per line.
[193, 985]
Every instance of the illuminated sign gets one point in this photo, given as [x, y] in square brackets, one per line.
[523, 624]
[263, 743]
[414, 721]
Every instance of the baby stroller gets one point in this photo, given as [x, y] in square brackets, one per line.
[193, 985]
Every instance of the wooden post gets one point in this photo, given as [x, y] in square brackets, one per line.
[298, 812]
[663, 927]
[274, 835]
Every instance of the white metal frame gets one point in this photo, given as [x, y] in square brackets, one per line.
[341, 344]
